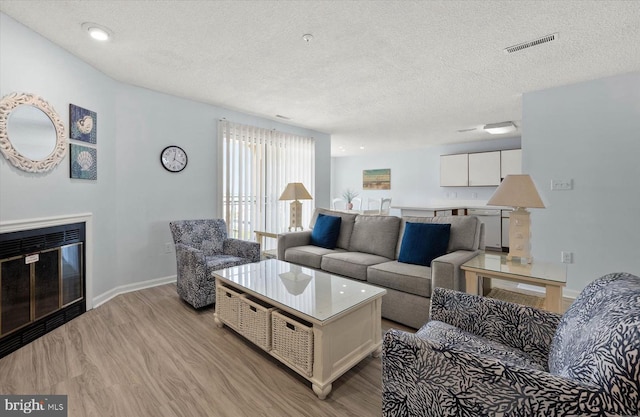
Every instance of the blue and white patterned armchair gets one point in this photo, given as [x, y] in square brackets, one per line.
[202, 246]
[483, 357]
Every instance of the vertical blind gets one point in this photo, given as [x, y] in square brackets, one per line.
[257, 165]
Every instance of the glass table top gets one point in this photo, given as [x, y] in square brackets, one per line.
[537, 269]
[316, 294]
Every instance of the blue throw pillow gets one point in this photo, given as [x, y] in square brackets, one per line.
[423, 242]
[326, 231]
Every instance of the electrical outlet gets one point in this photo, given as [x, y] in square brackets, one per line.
[561, 185]
[168, 247]
[566, 257]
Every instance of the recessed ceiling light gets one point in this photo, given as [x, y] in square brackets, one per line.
[500, 128]
[97, 32]
[307, 37]
[362, 147]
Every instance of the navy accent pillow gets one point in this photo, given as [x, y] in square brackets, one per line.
[326, 231]
[423, 242]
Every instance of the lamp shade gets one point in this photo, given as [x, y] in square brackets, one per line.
[295, 191]
[516, 191]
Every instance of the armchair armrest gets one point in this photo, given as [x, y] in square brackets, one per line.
[292, 239]
[425, 378]
[187, 259]
[242, 249]
[525, 328]
[446, 272]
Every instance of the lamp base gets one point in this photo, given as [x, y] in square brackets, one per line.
[295, 216]
[519, 235]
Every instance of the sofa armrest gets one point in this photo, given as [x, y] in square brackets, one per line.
[446, 272]
[525, 328]
[426, 378]
[291, 240]
[242, 249]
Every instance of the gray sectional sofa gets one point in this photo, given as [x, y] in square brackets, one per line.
[368, 248]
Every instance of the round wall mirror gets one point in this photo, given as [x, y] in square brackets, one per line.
[32, 136]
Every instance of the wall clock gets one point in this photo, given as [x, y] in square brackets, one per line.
[173, 158]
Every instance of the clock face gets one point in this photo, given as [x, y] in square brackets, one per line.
[173, 158]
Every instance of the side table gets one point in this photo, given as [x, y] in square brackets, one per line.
[266, 254]
[551, 276]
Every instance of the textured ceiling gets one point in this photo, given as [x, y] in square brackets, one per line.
[377, 74]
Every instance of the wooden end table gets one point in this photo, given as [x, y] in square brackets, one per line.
[551, 276]
[260, 235]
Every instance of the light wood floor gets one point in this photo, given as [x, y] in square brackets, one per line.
[147, 353]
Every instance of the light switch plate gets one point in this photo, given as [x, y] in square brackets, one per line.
[561, 185]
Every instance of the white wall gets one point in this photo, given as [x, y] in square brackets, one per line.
[588, 132]
[134, 198]
[415, 174]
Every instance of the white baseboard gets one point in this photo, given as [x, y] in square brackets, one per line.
[123, 289]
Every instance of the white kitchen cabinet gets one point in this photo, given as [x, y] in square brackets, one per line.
[510, 162]
[491, 220]
[505, 228]
[484, 169]
[454, 170]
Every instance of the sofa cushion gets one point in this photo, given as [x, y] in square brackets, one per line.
[308, 255]
[465, 231]
[423, 242]
[409, 278]
[375, 234]
[346, 226]
[351, 264]
[326, 231]
[455, 338]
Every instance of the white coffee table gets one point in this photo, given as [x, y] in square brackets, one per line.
[344, 314]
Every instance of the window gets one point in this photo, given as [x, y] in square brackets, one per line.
[257, 165]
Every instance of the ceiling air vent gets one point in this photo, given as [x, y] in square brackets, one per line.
[539, 41]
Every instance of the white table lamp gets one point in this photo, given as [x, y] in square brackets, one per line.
[295, 191]
[519, 192]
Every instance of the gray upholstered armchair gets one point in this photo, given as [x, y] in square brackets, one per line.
[484, 357]
[202, 247]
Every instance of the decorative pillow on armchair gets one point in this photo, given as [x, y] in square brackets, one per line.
[423, 242]
[326, 231]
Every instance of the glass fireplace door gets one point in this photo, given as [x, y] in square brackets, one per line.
[34, 286]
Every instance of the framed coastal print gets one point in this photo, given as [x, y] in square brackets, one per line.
[376, 179]
[84, 162]
[83, 124]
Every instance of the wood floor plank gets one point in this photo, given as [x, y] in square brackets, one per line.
[147, 353]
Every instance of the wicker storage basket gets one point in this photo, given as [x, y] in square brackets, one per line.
[255, 321]
[292, 341]
[228, 306]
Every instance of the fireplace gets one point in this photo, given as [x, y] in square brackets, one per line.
[42, 282]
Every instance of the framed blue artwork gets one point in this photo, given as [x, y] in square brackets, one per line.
[83, 124]
[84, 162]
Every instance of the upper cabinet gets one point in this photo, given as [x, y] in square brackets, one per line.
[484, 169]
[454, 170]
[479, 169]
[510, 162]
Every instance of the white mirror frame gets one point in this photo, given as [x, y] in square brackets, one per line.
[10, 102]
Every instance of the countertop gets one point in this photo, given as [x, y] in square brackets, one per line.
[452, 206]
